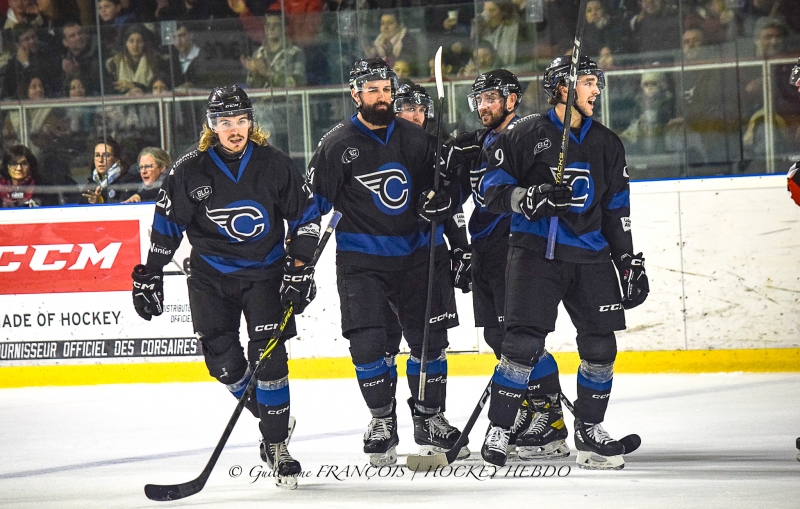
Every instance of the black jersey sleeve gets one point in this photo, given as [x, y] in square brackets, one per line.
[298, 207]
[504, 173]
[326, 176]
[174, 211]
[616, 205]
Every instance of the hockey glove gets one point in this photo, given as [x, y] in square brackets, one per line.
[633, 279]
[148, 291]
[546, 200]
[463, 150]
[298, 286]
[436, 206]
[461, 269]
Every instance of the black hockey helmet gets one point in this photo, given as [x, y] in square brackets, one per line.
[371, 69]
[558, 71]
[795, 73]
[504, 81]
[228, 101]
[414, 94]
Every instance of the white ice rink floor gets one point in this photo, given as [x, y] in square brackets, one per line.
[708, 441]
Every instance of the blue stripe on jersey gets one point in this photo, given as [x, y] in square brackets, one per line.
[228, 265]
[372, 369]
[384, 245]
[587, 123]
[272, 397]
[167, 227]
[593, 241]
[546, 366]
[496, 177]
[323, 204]
[242, 164]
[367, 131]
[620, 200]
[597, 386]
[490, 228]
[309, 214]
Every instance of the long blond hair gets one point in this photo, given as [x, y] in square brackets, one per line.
[209, 138]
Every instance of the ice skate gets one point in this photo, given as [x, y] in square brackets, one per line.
[381, 439]
[284, 468]
[495, 445]
[521, 423]
[596, 449]
[434, 434]
[262, 446]
[545, 436]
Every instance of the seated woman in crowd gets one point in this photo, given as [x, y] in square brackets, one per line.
[19, 177]
[111, 181]
[153, 163]
[135, 66]
[43, 124]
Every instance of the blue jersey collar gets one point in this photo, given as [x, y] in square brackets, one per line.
[242, 163]
[560, 125]
[367, 131]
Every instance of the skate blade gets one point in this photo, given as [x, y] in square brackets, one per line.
[383, 459]
[426, 462]
[592, 461]
[551, 451]
[286, 482]
[428, 450]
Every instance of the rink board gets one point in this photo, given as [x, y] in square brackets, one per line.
[721, 257]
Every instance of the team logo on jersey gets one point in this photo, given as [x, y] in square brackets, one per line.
[201, 193]
[350, 155]
[541, 146]
[390, 186]
[578, 176]
[241, 221]
[476, 182]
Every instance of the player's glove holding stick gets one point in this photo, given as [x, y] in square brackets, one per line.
[545, 200]
[148, 291]
[436, 206]
[461, 268]
[298, 286]
[633, 280]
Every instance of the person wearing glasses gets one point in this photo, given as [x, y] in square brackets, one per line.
[153, 163]
[19, 177]
[110, 181]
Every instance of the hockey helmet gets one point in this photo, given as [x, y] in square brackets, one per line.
[228, 101]
[414, 94]
[795, 76]
[499, 79]
[371, 69]
[558, 71]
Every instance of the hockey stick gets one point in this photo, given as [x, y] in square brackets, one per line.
[420, 462]
[629, 442]
[164, 492]
[562, 156]
[423, 362]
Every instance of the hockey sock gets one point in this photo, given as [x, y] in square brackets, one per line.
[543, 379]
[594, 388]
[273, 406]
[237, 389]
[368, 350]
[435, 382]
[509, 384]
[391, 363]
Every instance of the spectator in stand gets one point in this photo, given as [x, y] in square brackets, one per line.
[160, 86]
[277, 63]
[111, 180]
[191, 67]
[191, 10]
[498, 25]
[484, 58]
[602, 37]
[19, 178]
[655, 29]
[153, 163]
[31, 58]
[785, 10]
[19, 14]
[54, 13]
[714, 19]
[655, 107]
[80, 60]
[402, 69]
[303, 19]
[112, 23]
[449, 26]
[134, 67]
[80, 118]
[394, 42]
[555, 34]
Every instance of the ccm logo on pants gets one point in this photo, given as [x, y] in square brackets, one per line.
[611, 307]
[269, 326]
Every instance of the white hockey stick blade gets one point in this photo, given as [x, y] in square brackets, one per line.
[437, 72]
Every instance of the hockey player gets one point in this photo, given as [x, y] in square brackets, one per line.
[594, 234]
[372, 168]
[231, 195]
[538, 431]
[793, 183]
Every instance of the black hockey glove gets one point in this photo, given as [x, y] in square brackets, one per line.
[148, 291]
[546, 200]
[633, 279]
[461, 269]
[436, 206]
[463, 150]
[298, 286]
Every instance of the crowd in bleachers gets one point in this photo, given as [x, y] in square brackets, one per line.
[81, 49]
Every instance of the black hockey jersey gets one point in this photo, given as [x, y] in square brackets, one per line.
[597, 223]
[233, 213]
[375, 185]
